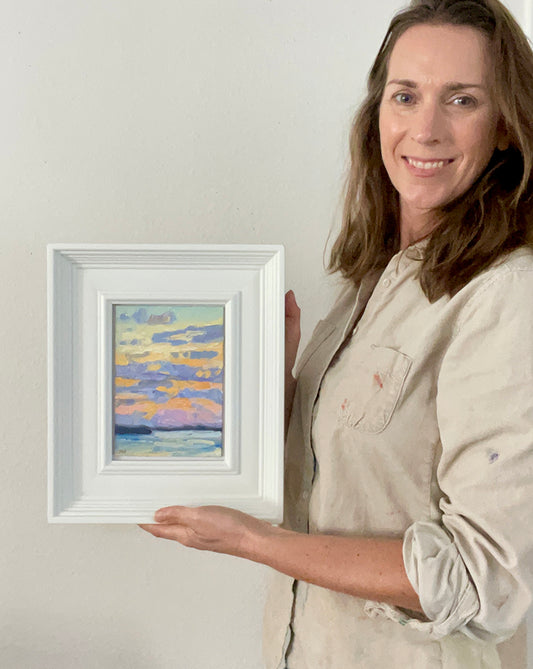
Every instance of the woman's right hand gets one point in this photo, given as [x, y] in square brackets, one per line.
[292, 340]
[292, 331]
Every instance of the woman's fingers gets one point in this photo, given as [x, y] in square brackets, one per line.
[212, 528]
[292, 312]
[292, 330]
[174, 532]
[173, 522]
[291, 306]
[173, 514]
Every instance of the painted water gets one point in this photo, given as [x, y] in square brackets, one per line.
[169, 444]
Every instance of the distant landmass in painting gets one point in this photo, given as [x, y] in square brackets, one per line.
[168, 380]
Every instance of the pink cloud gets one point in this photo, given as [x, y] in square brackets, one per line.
[198, 415]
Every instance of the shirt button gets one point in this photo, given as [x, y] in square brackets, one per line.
[386, 283]
[305, 494]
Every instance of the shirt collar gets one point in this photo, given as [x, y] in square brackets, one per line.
[416, 250]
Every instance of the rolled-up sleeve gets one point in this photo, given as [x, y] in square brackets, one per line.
[472, 566]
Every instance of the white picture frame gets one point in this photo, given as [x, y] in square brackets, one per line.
[86, 484]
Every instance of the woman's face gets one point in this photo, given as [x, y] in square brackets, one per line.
[438, 120]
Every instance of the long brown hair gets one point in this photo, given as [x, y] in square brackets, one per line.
[495, 214]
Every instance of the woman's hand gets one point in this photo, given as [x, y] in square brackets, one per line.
[292, 340]
[212, 528]
[292, 331]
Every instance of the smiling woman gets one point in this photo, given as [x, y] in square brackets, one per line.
[438, 120]
[490, 215]
[409, 453]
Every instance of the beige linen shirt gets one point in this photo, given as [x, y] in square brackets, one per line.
[423, 429]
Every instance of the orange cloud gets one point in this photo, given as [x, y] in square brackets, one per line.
[177, 386]
[120, 381]
[208, 404]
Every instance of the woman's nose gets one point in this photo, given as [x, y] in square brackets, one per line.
[428, 124]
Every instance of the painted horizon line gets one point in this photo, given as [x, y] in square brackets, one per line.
[145, 429]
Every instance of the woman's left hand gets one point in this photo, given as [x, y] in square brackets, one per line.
[212, 528]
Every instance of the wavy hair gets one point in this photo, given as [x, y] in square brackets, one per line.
[495, 214]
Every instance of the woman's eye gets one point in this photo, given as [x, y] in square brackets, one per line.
[404, 98]
[463, 101]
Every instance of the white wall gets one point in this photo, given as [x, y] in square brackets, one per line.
[168, 121]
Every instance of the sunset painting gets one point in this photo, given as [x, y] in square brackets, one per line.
[168, 380]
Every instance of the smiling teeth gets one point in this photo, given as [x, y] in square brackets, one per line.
[426, 166]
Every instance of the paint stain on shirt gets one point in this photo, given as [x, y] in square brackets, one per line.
[493, 457]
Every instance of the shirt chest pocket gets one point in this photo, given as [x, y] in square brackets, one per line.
[369, 397]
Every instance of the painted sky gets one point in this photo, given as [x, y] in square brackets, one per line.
[169, 365]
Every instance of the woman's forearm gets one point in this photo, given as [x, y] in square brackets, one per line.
[363, 567]
[369, 568]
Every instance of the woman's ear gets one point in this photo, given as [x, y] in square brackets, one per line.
[502, 142]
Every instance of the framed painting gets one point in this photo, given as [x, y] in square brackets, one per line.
[165, 380]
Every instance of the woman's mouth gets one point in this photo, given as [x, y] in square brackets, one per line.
[420, 164]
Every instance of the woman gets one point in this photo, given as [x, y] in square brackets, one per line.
[410, 445]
